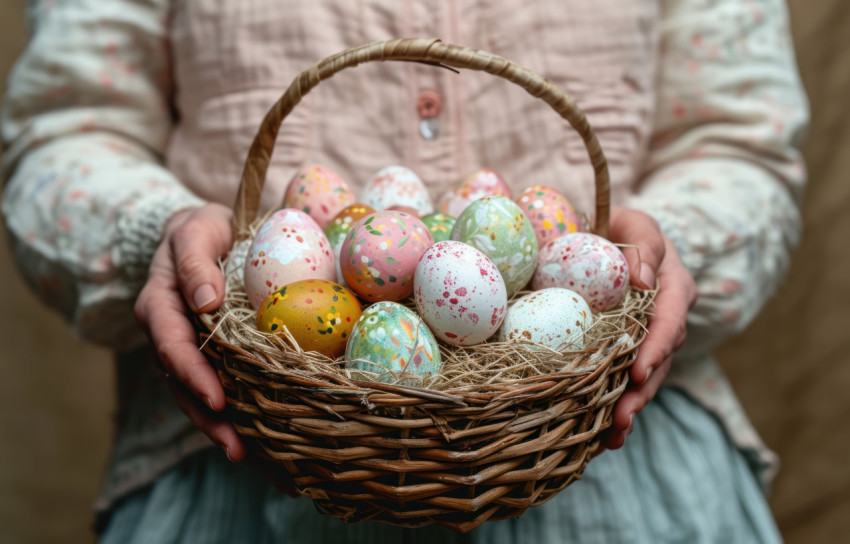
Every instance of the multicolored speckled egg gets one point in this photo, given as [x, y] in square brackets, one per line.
[397, 186]
[390, 340]
[379, 255]
[289, 247]
[549, 211]
[319, 192]
[439, 225]
[319, 314]
[587, 264]
[497, 227]
[475, 185]
[459, 293]
[554, 317]
[340, 226]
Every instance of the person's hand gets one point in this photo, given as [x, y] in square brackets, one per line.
[184, 270]
[655, 260]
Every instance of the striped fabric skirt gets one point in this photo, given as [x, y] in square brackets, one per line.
[677, 479]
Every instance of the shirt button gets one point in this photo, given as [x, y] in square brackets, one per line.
[429, 107]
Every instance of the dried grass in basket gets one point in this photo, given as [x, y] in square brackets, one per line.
[501, 429]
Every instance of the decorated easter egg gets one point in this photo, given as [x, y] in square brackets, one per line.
[319, 192]
[459, 293]
[439, 225]
[587, 264]
[550, 213]
[554, 317]
[496, 226]
[475, 185]
[390, 340]
[288, 247]
[340, 225]
[319, 314]
[406, 209]
[397, 186]
[235, 265]
[379, 255]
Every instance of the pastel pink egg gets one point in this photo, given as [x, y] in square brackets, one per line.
[473, 186]
[319, 192]
[406, 209]
[289, 247]
[460, 293]
[380, 253]
[397, 186]
[550, 213]
[587, 264]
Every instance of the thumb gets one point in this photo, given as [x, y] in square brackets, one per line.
[635, 228]
[197, 243]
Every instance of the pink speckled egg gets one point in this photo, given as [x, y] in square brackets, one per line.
[319, 192]
[379, 255]
[587, 264]
[406, 209]
[397, 186]
[459, 293]
[550, 213]
[289, 247]
[475, 185]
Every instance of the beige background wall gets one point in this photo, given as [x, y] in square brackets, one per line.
[791, 369]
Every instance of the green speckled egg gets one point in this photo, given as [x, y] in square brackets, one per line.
[390, 340]
[497, 227]
[440, 225]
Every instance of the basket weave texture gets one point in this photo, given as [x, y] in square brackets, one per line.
[458, 454]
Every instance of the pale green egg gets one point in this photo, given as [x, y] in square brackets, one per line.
[440, 225]
[497, 227]
[388, 341]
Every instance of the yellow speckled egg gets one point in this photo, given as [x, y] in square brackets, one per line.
[319, 192]
[319, 315]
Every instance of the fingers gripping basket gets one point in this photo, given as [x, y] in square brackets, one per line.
[477, 446]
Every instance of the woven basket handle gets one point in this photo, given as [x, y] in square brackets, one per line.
[423, 50]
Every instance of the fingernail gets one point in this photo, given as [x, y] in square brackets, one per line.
[227, 453]
[647, 276]
[209, 402]
[631, 421]
[204, 295]
[648, 374]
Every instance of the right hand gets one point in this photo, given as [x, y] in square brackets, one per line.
[185, 270]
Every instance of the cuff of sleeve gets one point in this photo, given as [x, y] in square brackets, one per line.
[139, 229]
[692, 257]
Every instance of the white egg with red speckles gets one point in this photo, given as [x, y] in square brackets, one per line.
[397, 186]
[587, 264]
[290, 246]
[459, 293]
[556, 318]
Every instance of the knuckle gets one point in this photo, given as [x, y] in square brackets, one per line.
[165, 351]
[140, 310]
[189, 266]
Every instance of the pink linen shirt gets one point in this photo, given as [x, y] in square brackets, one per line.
[120, 113]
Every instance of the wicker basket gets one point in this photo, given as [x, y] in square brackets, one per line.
[410, 456]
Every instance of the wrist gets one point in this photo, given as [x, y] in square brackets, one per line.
[141, 227]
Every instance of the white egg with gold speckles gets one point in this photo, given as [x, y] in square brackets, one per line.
[556, 318]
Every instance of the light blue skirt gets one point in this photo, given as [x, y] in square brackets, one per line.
[677, 479]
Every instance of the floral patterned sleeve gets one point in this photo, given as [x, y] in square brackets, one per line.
[84, 126]
[725, 174]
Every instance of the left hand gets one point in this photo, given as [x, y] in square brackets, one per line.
[656, 260]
